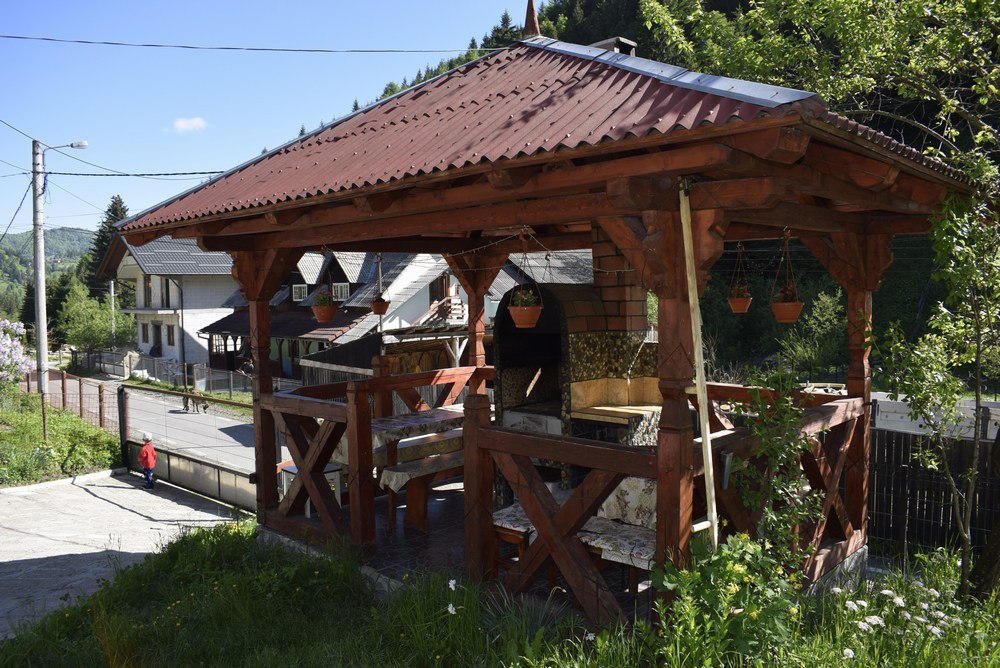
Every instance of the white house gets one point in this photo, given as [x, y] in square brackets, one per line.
[179, 290]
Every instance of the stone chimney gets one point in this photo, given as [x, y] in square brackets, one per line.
[617, 44]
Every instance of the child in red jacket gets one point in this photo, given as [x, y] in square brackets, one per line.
[147, 458]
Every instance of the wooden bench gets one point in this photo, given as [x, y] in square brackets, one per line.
[415, 475]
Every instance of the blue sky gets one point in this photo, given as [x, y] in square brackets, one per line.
[166, 110]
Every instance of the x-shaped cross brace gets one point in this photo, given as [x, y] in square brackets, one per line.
[311, 446]
[556, 528]
[825, 478]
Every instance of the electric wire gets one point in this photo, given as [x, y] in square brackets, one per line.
[264, 49]
[16, 211]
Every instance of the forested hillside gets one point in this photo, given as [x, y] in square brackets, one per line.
[64, 246]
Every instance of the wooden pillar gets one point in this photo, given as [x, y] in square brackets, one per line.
[265, 446]
[360, 484]
[63, 388]
[260, 274]
[476, 272]
[480, 547]
[859, 317]
[79, 395]
[383, 398]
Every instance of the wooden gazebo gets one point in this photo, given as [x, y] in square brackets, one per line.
[567, 147]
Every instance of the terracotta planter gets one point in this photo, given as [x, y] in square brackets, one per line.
[525, 317]
[380, 306]
[740, 304]
[786, 312]
[324, 313]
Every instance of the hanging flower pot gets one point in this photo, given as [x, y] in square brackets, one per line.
[323, 307]
[785, 302]
[786, 312]
[379, 305]
[525, 308]
[739, 289]
[739, 298]
[324, 313]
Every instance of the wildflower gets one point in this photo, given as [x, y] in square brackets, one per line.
[848, 653]
[864, 626]
[934, 592]
[451, 609]
[862, 603]
[900, 603]
[905, 615]
[938, 614]
[754, 614]
[589, 637]
[739, 568]
[888, 592]
[918, 618]
[935, 631]
[852, 606]
[793, 611]
[875, 620]
[924, 606]
[837, 590]
[451, 585]
[732, 588]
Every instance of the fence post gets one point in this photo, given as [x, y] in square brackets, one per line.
[79, 397]
[100, 405]
[123, 424]
[229, 375]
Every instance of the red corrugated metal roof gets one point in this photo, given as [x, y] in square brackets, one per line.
[532, 97]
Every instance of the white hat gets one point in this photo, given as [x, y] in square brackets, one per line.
[146, 436]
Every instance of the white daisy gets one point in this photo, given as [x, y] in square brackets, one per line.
[452, 584]
[864, 626]
[451, 609]
[852, 606]
[848, 653]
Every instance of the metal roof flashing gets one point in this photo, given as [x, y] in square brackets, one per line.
[764, 95]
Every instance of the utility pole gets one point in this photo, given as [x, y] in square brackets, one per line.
[111, 295]
[38, 218]
[41, 318]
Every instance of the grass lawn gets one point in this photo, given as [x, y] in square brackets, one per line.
[74, 446]
[219, 597]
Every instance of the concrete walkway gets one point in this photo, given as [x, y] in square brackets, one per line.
[58, 540]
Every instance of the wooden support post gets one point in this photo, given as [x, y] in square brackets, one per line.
[360, 484]
[476, 272]
[480, 548]
[63, 383]
[383, 398]
[265, 446]
[79, 396]
[859, 316]
[675, 440]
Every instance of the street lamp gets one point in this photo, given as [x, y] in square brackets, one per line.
[41, 319]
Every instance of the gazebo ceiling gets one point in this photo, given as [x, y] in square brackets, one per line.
[552, 136]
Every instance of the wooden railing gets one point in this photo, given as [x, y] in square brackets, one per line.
[556, 526]
[315, 418]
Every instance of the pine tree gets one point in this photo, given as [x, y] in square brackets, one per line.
[355, 106]
[106, 233]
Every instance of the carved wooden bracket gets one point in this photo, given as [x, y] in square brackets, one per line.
[261, 273]
[856, 261]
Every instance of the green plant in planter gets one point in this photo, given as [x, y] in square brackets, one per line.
[786, 293]
[740, 291]
[323, 298]
[522, 298]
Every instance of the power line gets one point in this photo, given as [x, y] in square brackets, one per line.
[218, 171]
[266, 49]
[16, 211]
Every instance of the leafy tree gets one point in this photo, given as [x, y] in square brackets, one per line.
[818, 342]
[86, 323]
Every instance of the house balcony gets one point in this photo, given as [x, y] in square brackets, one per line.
[151, 310]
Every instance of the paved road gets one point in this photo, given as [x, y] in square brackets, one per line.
[59, 540]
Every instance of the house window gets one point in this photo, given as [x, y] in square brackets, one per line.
[439, 288]
[218, 344]
[145, 332]
[170, 335]
[165, 292]
[339, 292]
[147, 291]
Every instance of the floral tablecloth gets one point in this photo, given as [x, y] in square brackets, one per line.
[389, 429]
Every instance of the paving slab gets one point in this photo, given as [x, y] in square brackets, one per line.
[59, 540]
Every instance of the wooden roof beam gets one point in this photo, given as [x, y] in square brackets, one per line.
[685, 160]
[453, 245]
